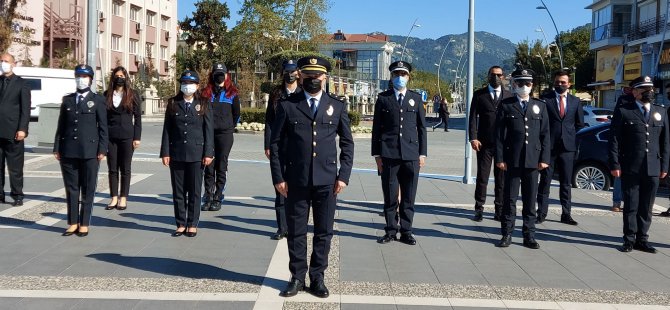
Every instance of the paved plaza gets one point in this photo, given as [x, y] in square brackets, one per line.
[130, 261]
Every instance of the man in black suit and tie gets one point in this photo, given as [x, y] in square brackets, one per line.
[638, 153]
[14, 117]
[522, 149]
[566, 118]
[306, 126]
[399, 146]
[481, 130]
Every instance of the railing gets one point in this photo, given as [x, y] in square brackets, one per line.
[646, 28]
[609, 31]
[157, 105]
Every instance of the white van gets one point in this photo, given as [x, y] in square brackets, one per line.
[46, 85]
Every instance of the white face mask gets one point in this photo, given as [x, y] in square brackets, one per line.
[523, 91]
[188, 89]
[83, 82]
[5, 67]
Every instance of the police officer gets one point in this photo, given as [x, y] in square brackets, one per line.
[187, 147]
[638, 153]
[399, 146]
[80, 145]
[307, 125]
[566, 118]
[289, 85]
[522, 149]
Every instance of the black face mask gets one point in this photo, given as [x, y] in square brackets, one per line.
[560, 88]
[668, 96]
[495, 81]
[289, 78]
[119, 81]
[648, 96]
[219, 78]
[311, 85]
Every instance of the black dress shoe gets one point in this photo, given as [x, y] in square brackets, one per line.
[478, 216]
[2, 199]
[215, 206]
[82, 234]
[69, 233]
[190, 234]
[120, 207]
[644, 247]
[505, 241]
[566, 219]
[540, 218]
[111, 207]
[663, 214]
[531, 243]
[279, 235]
[177, 233]
[17, 203]
[319, 289]
[387, 238]
[626, 247]
[294, 286]
[205, 206]
[407, 239]
[497, 217]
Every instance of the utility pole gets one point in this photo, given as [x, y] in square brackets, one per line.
[92, 37]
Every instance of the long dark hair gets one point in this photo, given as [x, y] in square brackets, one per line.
[128, 92]
[228, 85]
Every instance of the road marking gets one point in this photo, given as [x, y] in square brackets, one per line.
[276, 277]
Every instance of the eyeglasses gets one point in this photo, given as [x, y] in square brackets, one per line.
[496, 74]
[523, 83]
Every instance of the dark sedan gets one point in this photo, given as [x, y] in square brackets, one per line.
[591, 166]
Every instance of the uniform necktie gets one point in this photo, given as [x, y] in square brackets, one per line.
[312, 105]
[646, 114]
[80, 100]
[495, 95]
[562, 106]
[524, 103]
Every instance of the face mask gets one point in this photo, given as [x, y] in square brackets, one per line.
[561, 88]
[648, 96]
[523, 91]
[219, 78]
[188, 89]
[400, 82]
[289, 78]
[668, 96]
[5, 67]
[83, 82]
[119, 81]
[311, 85]
[495, 81]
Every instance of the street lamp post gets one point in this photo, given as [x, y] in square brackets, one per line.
[558, 34]
[438, 64]
[407, 38]
[467, 174]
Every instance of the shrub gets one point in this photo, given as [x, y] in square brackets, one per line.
[354, 117]
[251, 115]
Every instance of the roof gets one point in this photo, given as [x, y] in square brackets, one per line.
[356, 38]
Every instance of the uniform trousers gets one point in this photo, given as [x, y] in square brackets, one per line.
[322, 201]
[186, 180]
[639, 192]
[80, 176]
[403, 175]
[11, 152]
[215, 174]
[563, 162]
[527, 179]
[484, 161]
[119, 159]
[280, 209]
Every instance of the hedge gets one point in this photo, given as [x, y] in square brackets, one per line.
[251, 115]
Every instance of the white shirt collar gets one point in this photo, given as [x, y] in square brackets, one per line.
[398, 92]
[309, 96]
[642, 106]
[491, 89]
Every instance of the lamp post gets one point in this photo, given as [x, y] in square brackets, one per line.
[438, 64]
[407, 38]
[558, 34]
[467, 174]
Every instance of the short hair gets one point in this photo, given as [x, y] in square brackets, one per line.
[495, 67]
[10, 55]
[667, 85]
[561, 73]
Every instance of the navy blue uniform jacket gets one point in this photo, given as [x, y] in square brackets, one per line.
[523, 138]
[188, 136]
[82, 128]
[399, 131]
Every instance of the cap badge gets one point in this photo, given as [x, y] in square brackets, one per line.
[219, 66]
[312, 61]
[657, 116]
[188, 74]
[83, 67]
[330, 110]
[524, 72]
[536, 109]
[411, 102]
[400, 64]
[290, 62]
[90, 104]
[197, 107]
[647, 79]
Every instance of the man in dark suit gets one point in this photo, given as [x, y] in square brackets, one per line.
[307, 125]
[522, 149]
[288, 86]
[14, 117]
[638, 153]
[566, 118]
[400, 147]
[481, 130]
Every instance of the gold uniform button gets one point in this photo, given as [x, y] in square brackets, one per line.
[315, 133]
[525, 119]
[75, 138]
[526, 126]
[647, 134]
[526, 141]
[185, 141]
[646, 150]
[400, 110]
[646, 125]
[647, 141]
[401, 119]
[401, 134]
[314, 124]
[314, 143]
[313, 154]
[400, 126]
[526, 134]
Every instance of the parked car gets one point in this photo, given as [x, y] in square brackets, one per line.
[591, 170]
[594, 116]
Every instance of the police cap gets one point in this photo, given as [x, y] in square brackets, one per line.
[313, 65]
[401, 66]
[642, 81]
[289, 65]
[189, 76]
[523, 74]
[83, 70]
[219, 68]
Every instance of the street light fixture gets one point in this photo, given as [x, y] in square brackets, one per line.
[438, 66]
[558, 34]
[414, 25]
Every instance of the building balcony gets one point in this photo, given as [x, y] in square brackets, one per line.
[608, 35]
[647, 28]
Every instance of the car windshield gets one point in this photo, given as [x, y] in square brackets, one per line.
[602, 112]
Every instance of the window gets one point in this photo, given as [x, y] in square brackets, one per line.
[165, 23]
[602, 17]
[164, 52]
[135, 13]
[647, 11]
[150, 50]
[151, 16]
[116, 43]
[133, 46]
[117, 8]
[34, 84]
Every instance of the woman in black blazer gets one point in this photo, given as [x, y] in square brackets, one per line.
[187, 147]
[124, 120]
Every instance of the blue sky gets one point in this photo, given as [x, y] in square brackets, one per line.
[515, 20]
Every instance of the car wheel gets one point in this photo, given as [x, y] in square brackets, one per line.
[592, 177]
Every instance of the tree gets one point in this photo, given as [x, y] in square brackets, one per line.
[7, 15]
[428, 82]
[205, 31]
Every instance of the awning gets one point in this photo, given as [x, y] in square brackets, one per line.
[600, 83]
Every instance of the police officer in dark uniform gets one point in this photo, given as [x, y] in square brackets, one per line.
[289, 85]
[306, 126]
[187, 147]
[80, 145]
[399, 145]
[638, 152]
[522, 150]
